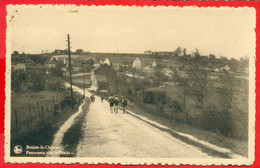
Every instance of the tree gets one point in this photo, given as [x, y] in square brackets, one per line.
[227, 89]
[17, 80]
[55, 84]
[15, 53]
[36, 83]
[178, 51]
[233, 64]
[199, 84]
[184, 52]
[184, 84]
[79, 51]
[197, 55]
[57, 70]
[244, 62]
[212, 56]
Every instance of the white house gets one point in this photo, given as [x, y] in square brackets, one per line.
[226, 68]
[137, 64]
[154, 64]
[106, 61]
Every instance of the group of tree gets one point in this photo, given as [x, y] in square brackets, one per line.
[216, 115]
[37, 82]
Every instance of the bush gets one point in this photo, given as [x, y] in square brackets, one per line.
[36, 83]
[55, 84]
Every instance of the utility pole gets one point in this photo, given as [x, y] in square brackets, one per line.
[71, 93]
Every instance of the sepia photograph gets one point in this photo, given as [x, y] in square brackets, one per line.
[130, 85]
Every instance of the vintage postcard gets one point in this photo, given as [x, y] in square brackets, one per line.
[130, 85]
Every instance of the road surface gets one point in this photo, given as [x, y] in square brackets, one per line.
[122, 135]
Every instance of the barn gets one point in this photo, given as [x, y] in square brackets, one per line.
[102, 76]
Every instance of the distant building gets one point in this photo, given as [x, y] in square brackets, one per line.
[19, 67]
[137, 63]
[154, 64]
[97, 63]
[227, 68]
[148, 52]
[223, 69]
[106, 61]
[102, 76]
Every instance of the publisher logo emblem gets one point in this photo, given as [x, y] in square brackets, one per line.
[18, 149]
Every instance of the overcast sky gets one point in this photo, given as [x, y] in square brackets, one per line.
[221, 31]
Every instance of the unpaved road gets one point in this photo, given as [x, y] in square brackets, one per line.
[122, 135]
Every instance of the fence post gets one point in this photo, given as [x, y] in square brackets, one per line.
[16, 121]
[39, 109]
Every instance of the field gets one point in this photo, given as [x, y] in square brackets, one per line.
[36, 126]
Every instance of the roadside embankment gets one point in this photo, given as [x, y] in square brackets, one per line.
[214, 143]
[75, 132]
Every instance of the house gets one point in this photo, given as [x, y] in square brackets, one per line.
[148, 52]
[97, 63]
[102, 76]
[19, 67]
[106, 61]
[226, 68]
[154, 64]
[137, 64]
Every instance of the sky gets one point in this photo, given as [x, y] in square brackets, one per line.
[225, 31]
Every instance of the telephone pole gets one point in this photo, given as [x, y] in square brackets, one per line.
[71, 93]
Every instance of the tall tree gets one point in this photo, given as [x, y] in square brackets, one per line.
[228, 83]
[199, 83]
[184, 84]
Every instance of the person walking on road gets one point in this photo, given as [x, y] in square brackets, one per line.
[111, 102]
[92, 98]
[116, 101]
[124, 103]
[102, 98]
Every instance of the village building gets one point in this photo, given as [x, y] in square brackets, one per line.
[106, 61]
[19, 67]
[154, 64]
[148, 52]
[102, 76]
[97, 63]
[137, 64]
[227, 68]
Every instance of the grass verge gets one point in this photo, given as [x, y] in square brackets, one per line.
[75, 133]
